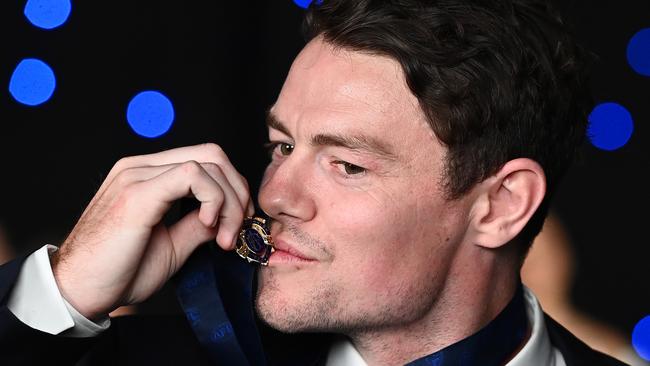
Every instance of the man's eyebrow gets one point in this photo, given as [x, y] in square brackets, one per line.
[354, 142]
[273, 122]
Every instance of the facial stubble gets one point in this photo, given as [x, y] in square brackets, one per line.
[323, 307]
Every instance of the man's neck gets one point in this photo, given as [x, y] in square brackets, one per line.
[463, 307]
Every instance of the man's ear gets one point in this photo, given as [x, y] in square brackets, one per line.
[506, 201]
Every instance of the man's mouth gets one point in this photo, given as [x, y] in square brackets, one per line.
[287, 253]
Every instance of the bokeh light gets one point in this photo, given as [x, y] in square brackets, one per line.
[641, 338]
[610, 126]
[305, 3]
[32, 82]
[638, 52]
[150, 114]
[47, 14]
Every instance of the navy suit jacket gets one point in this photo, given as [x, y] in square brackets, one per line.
[169, 340]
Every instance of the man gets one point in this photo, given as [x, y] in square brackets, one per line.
[414, 148]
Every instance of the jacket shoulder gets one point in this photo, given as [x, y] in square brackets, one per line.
[574, 351]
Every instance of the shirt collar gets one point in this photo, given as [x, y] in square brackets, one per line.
[537, 350]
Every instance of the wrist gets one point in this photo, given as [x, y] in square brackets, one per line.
[82, 301]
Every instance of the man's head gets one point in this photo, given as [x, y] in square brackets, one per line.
[415, 142]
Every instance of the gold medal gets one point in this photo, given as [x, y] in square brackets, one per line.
[254, 242]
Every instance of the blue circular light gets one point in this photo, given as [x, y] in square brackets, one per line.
[305, 3]
[641, 338]
[638, 52]
[32, 82]
[47, 14]
[150, 114]
[610, 126]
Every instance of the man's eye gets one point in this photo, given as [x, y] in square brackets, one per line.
[282, 148]
[351, 169]
[285, 149]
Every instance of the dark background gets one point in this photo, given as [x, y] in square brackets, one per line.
[222, 63]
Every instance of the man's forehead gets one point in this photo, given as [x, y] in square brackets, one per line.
[346, 87]
[344, 78]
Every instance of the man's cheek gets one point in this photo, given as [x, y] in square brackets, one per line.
[371, 287]
[356, 217]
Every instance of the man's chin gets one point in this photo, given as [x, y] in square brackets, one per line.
[273, 307]
[275, 314]
[282, 308]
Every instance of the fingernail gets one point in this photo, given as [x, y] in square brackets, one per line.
[216, 220]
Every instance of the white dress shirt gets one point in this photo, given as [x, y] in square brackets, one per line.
[37, 302]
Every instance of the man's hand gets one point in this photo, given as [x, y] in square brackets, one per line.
[119, 253]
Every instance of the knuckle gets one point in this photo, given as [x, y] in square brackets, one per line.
[213, 169]
[123, 163]
[124, 177]
[219, 195]
[213, 150]
[191, 167]
[244, 182]
[244, 196]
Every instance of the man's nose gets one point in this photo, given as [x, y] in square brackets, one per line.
[287, 190]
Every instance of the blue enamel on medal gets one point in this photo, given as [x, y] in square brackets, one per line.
[254, 242]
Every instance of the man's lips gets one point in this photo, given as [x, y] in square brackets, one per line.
[286, 251]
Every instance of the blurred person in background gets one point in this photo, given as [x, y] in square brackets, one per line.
[549, 271]
[6, 251]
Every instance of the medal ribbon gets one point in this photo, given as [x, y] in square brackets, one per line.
[215, 291]
[494, 345]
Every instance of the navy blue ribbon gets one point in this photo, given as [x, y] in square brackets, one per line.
[494, 345]
[215, 291]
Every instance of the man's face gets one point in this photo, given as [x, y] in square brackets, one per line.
[354, 187]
